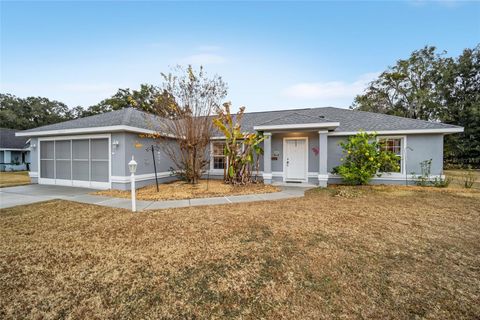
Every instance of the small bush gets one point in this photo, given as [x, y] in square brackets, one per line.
[469, 179]
[440, 182]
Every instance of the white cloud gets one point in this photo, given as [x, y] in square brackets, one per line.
[329, 89]
[204, 59]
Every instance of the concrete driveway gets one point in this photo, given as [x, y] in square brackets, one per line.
[14, 196]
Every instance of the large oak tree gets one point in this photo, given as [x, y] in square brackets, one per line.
[430, 86]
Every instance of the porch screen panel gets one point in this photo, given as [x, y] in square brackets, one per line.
[99, 160]
[63, 165]
[47, 159]
[80, 161]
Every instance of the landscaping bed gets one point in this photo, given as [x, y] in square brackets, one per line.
[179, 190]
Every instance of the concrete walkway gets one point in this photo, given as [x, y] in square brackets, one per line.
[21, 195]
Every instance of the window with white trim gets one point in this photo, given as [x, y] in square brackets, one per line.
[394, 145]
[218, 158]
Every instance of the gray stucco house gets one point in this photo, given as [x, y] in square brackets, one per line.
[14, 151]
[303, 147]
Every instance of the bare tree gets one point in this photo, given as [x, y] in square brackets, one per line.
[192, 97]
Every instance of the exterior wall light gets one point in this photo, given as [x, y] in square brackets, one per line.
[115, 145]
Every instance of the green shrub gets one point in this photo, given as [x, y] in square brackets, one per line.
[364, 158]
[440, 182]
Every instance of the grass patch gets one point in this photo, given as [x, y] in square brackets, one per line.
[377, 255]
[458, 178]
[178, 190]
[15, 178]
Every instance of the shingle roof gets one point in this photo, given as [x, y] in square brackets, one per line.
[127, 117]
[8, 140]
[350, 120]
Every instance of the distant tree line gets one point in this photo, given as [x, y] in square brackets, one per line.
[430, 86]
[32, 112]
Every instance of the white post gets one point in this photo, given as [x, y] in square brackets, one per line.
[322, 158]
[134, 200]
[267, 158]
[132, 165]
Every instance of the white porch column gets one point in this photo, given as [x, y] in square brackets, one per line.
[7, 156]
[267, 158]
[322, 158]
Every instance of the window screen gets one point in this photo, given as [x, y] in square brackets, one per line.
[99, 149]
[83, 160]
[47, 162]
[80, 162]
[99, 160]
[63, 165]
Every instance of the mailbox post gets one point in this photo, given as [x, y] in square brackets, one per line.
[132, 165]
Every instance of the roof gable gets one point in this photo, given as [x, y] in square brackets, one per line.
[8, 139]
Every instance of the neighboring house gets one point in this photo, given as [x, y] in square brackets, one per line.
[303, 147]
[14, 151]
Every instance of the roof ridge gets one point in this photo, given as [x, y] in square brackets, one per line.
[400, 117]
[314, 117]
[274, 119]
[282, 110]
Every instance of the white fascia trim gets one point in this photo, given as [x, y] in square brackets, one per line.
[85, 130]
[298, 126]
[10, 149]
[141, 177]
[409, 131]
[33, 174]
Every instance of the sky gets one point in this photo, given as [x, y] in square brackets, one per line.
[273, 55]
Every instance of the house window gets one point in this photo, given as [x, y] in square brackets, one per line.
[218, 158]
[395, 145]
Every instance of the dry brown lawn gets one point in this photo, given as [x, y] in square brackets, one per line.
[180, 190]
[458, 178]
[371, 252]
[17, 178]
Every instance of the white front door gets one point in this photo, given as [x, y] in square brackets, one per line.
[295, 160]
